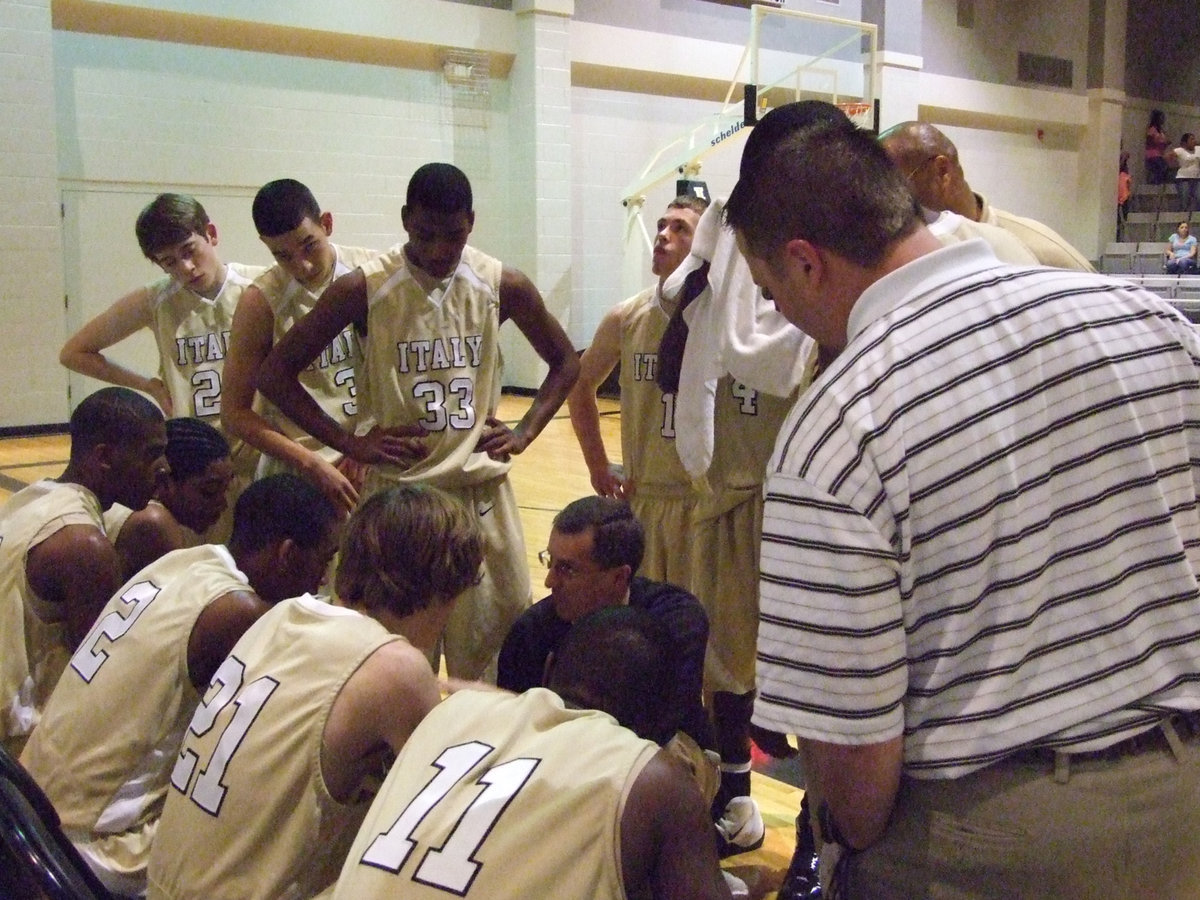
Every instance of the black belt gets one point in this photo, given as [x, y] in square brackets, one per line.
[1187, 725]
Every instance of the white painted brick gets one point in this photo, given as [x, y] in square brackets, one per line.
[33, 18]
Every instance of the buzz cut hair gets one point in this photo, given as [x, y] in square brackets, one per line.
[689, 201]
[281, 206]
[281, 507]
[112, 415]
[616, 659]
[168, 220]
[440, 187]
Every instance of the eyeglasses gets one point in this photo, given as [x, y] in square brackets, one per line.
[564, 569]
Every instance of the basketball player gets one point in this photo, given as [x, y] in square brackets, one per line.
[190, 313]
[296, 231]
[702, 537]
[111, 730]
[189, 499]
[57, 566]
[266, 790]
[432, 381]
[543, 794]
[652, 477]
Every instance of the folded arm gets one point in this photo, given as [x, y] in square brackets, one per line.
[83, 351]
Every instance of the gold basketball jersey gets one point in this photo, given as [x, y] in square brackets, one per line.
[110, 732]
[248, 815]
[499, 796]
[433, 359]
[33, 644]
[115, 518]
[192, 333]
[331, 379]
[647, 414]
[745, 422]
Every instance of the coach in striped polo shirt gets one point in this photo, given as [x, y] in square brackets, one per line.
[980, 609]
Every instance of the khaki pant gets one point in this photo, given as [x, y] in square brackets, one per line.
[1122, 827]
[484, 613]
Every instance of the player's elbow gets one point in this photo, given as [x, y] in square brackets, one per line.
[581, 400]
[569, 367]
[71, 356]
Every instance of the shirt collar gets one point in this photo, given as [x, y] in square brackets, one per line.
[922, 274]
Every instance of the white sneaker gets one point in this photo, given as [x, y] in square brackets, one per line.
[737, 887]
[740, 828]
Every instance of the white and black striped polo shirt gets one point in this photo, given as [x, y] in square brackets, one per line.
[981, 522]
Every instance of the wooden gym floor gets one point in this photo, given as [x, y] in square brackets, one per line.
[550, 474]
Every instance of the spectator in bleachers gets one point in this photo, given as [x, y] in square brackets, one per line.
[1157, 168]
[1181, 252]
[1187, 177]
[1124, 193]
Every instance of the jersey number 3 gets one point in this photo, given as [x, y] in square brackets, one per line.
[439, 414]
[453, 867]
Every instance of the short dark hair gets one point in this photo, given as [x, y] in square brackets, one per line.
[440, 187]
[112, 415]
[278, 508]
[169, 219]
[832, 186]
[1185, 136]
[282, 206]
[193, 445]
[617, 660]
[689, 201]
[783, 121]
[407, 548]
[617, 536]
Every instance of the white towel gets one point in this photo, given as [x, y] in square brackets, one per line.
[732, 329]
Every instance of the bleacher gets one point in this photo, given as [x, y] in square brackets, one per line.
[1144, 236]
[1154, 213]
[1182, 291]
[1144, 259]
[1155, 226]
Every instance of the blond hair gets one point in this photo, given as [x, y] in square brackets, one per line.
[406, 549]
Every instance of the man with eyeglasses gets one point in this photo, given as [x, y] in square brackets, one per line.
[595, 547]
[929, 161]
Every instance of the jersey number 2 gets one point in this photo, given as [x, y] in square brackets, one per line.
[207, 396]
[452, 868]
[89, 657]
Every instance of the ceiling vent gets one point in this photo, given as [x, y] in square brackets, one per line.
[1052, 71]
[966, 13]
